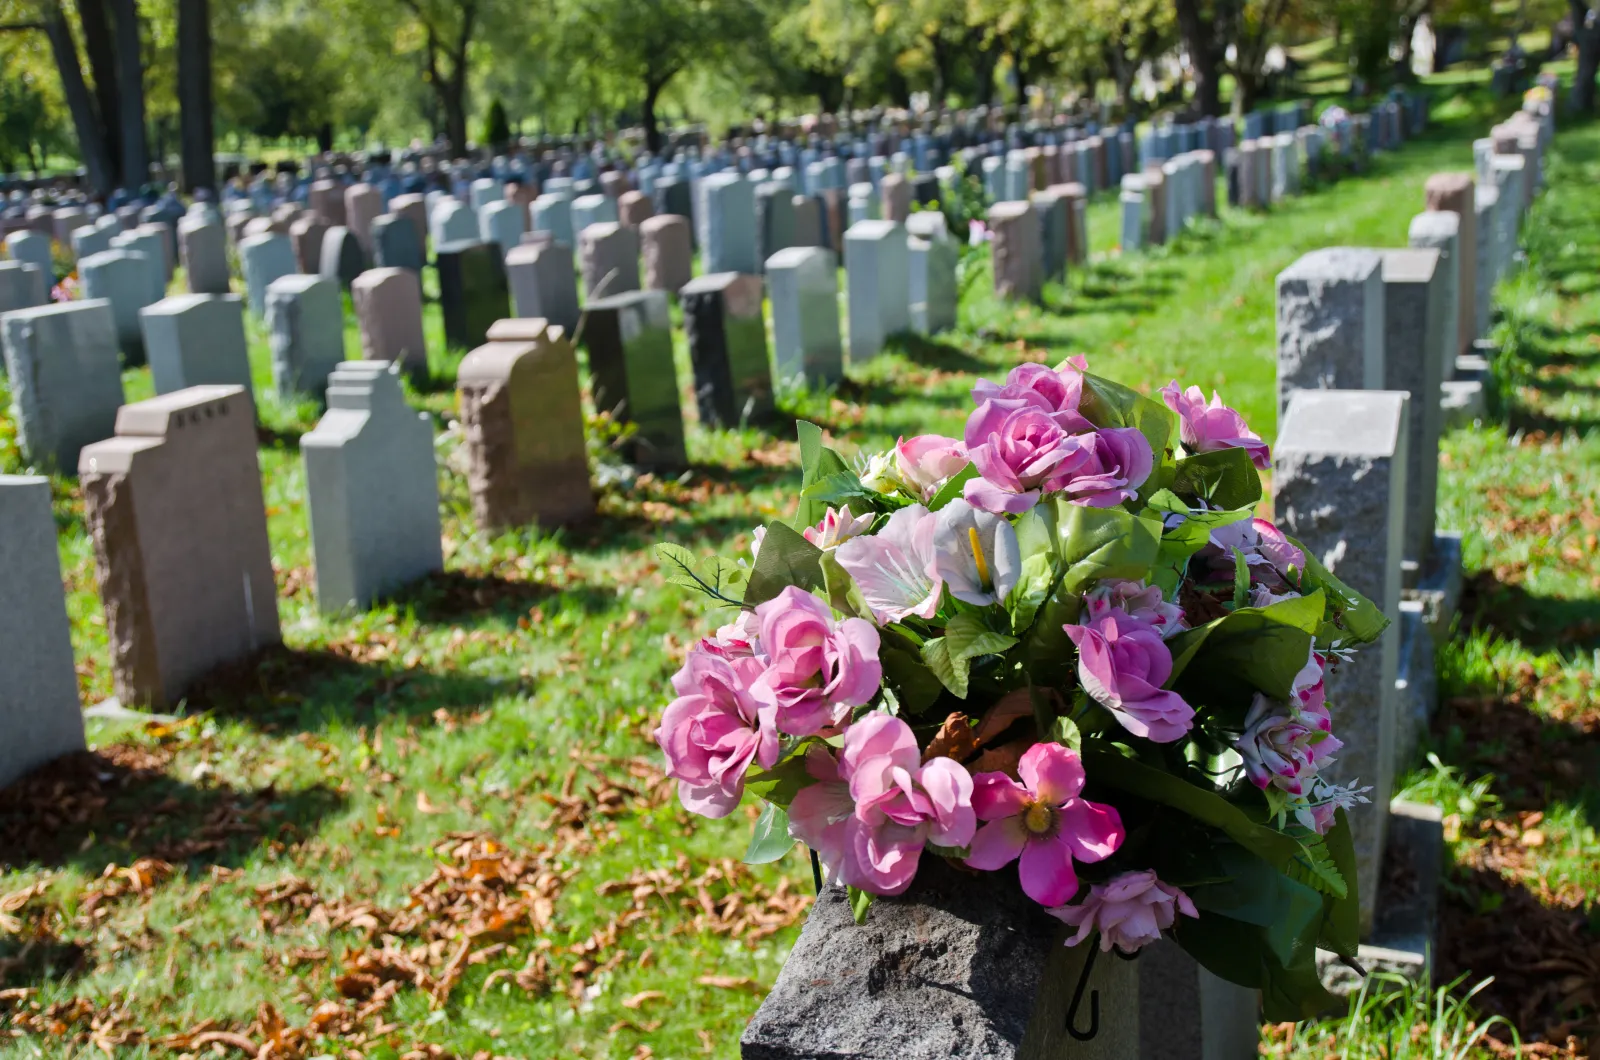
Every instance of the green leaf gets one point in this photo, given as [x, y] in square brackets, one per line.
[954, 488]
[968, 637]
[770, 839]
[1180, 542]
[1064, 731]
[817, 462]
[1223, 478]
[1241, 580]
[1097, 543]
[842, 591]
[705, 576]
[860, 902]
[785, 559]
[1314, 867]
[1106, 765]
[1109, 404]
[780, 784]
[951, 672]
[1240, 953]
[910, 677]
[1341, 925]
[841, 487]
[1259, 894]
[1226, 661]
[1357, 619]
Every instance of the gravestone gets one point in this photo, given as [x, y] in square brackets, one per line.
[1339, 486]
[1330, 322]
[1156, 206]
[959, 966]
[151, 241]
[1440, 230]
[305, 326]
[372, 488]
[1485, 205]
[307, 234]
[1248, 181]
[634, 208]
[34, 249]
[196, 340]
[522, 422]
[1132, 218]
[543, 284]
[501, 223]
[593, 210]
[632, 374]
[1455, 193]
[933, 294]
[472, 290]
[608, 254]
[1017, 251]
[66, 382]
[807, 221]
[388, 307]
[667, 244]
[804, 285]
[327, 199]
[264, 260]
[451, 221]
[1050, 205]
[173, 505]
[728, 225]
[1414, 334]
[413, 208]
[38, 684]
[728, 348]
[362, 203]
[775, 219]
[878, 285]
[485, 190]
[552, 212]
[203, 248]
[123, 279]
[395, 243]
[1206, 162]
[342, 257]
[1508, 174]
[895, 193]
[21, 286]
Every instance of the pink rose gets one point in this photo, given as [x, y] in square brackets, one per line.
[1113, 465]
[1057, 392]
[739, 639]
[1020, 453]
[1043, 822]
[1205, 428]
[1129, 912]
[1144, 603]
[1282, 747]
[713, 731]
[1122, 664]
[1268, 554]
[816, 669]
[927, 461]
[870, 815]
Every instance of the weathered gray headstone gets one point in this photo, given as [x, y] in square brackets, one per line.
[413, 208]
[1440, 230]
[33, 248]
[90, 239]
[805, 315]
[1486, 202]
[342, 257]
[472, 290]
[1330, 322]
[934, 296]
[1340, 488]
[1455, 193]
[775, 220]
[523, 426]
[632, 374]
[1017, 252]
[728, 348]
[552, 212]
[388, 308]
[203, 246]
[1414, 333]
[728, 225]
[372, 488]
[264, 259]
[305, 324]
[878, 283]
[608, 255]
[667, 243]
[66, 382]
[196, 340]
[1051, 207]
[543, 284]
[451, 221]
[123, 279]
[500, 222]
[395, 243]
[39, 701]
[21, 286]
[173, 505]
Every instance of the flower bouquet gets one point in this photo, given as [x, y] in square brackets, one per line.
[1063, 641]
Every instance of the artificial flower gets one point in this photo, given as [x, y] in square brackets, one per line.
[1111, 466]
[714, 730]
[1281, 747]
[816, 668]
[1130, 911]
[1142, 602]
[1318, 811]
[1054, 391]
[976, 553]
[837, 527]
[1205, 428]
[894, 568]
[1122, 664]
[925, 463]
[1020, 453]
[1042, 822]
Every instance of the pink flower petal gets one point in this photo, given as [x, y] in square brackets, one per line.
[1046, 872]
[997, 844]
[1052, 772]
[995, 795]
[1092, 830]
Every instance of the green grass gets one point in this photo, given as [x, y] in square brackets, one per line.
[512, 697]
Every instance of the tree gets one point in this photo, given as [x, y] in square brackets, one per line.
[1205, 39]
[1254, 24]
[1586, 34]
[135, 161]
[196, 134]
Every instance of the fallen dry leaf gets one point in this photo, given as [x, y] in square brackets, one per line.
[643, 998]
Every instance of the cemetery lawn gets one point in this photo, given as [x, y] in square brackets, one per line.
[439, 827]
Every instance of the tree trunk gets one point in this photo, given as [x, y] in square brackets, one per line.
[652, 128]
[1247, 87]
[85, 122]
[196, 136]
[101, 49]
[1587, 37]
[453, 97]
[1197, 33]
[130, 93]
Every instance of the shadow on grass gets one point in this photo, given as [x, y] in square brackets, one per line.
[1539, 623]
[448, 597]
[283, 689]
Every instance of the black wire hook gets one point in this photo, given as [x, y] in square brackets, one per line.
[1077, 999]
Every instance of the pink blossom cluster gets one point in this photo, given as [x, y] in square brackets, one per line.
[1123, 659]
